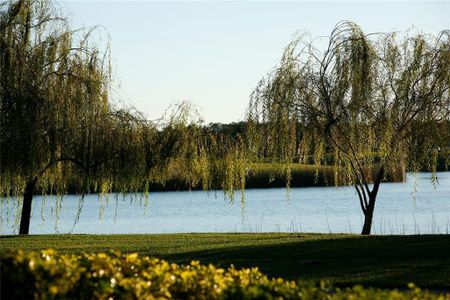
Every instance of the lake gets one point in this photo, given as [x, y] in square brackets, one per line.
[416, 206]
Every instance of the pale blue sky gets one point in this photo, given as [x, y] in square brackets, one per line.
[214, 53]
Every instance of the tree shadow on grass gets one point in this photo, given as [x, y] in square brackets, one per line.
[382, 261]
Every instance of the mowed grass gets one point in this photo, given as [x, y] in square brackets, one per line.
[381, 261]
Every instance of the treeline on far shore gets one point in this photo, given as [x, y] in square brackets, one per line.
[271, 175]
[259, 174]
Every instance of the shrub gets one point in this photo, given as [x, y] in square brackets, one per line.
[49, 275]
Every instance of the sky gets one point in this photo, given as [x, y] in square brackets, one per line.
[213, 54]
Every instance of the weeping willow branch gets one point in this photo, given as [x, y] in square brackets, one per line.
[379, 100]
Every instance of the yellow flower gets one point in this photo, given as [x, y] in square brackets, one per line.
[53, 290]
[131, 257]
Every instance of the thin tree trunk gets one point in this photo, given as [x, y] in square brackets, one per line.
[368, 217]
[368, 213]
[26, 208]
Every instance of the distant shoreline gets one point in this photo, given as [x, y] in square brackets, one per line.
[266, 175]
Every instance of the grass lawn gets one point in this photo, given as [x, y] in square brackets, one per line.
[381, 261]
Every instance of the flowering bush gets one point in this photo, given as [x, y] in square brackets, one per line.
[49, 275]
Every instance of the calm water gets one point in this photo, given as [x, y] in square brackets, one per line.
[413, 207]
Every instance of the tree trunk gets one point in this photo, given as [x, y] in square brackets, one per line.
[26, 208]
[368, 213]
[368, 217]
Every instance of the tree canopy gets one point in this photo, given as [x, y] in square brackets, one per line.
[59, 127]
[367, 102]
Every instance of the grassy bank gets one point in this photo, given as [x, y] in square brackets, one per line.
[381, 261]
[269, 175]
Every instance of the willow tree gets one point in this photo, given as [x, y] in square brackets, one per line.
[367, 104]
[59, 129]
[57, 124]
[195, 157]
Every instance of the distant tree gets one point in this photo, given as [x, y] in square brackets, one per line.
[207, 157]
[232, 130]
[367, 103]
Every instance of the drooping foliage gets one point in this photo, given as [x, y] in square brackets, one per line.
[60, 130]
[367, 104]
[54, 98]
[200, 157]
